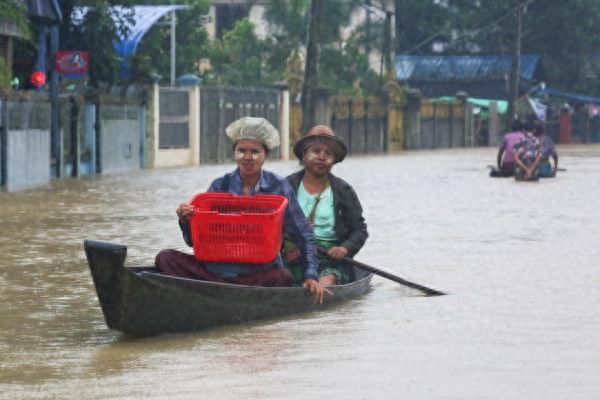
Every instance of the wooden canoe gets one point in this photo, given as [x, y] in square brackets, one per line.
[141, 301]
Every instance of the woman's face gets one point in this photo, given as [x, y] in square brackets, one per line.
[249, 156]
[319, 157]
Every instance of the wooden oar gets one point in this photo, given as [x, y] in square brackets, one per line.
[388, 275]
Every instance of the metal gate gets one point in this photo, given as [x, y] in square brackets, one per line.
[174, 119]
[219, 106]
[361, 123]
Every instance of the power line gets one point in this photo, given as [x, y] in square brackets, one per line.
[477, 31]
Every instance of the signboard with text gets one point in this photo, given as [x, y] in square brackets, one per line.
[72, 64]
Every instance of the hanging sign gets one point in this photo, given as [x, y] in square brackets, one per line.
[72, 64]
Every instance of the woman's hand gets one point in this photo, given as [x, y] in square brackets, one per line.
[185, 212]
[316, 289]
[337, 252]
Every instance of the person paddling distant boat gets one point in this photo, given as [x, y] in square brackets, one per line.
[527, 155]
[506, 155]
[548, 150]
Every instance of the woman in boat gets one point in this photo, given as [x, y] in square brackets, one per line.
[330, 204]
[548, 149]
[527, 155]
[253, 139]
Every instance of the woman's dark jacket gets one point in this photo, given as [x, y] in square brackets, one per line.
[350, 225]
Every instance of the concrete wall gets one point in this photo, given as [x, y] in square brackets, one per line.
[28, 158]
[206, 125]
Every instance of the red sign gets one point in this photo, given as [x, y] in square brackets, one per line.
[72, 62]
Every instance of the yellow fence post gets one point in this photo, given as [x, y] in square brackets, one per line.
[396, 128]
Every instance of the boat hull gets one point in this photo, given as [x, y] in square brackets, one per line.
[143, 302]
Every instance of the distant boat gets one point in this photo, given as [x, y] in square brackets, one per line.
[497, 172]
[141, 301]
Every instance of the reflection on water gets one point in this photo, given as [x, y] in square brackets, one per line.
[520, 261]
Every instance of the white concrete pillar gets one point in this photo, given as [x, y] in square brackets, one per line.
[194, 125]
[155, 104]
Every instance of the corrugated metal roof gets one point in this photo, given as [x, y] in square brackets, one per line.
[460, 68]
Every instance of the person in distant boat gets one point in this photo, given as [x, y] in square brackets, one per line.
[330, 204]
[506, 156]
[253, 139]
[548, 149]
[527, 155]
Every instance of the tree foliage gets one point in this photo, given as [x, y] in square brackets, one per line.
[343, 65]
[565, 35]
[103, 24]
[15, 11]
[153, 55]
[12, 11]
[418, 24]
[95, 31]
[237, 59]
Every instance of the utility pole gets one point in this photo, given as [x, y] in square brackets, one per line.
[387, 46]
[173, 44]
[311, 77]
[386, 70]
[515, 67]
[368, 28]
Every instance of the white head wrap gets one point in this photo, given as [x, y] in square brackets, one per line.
[253, 128]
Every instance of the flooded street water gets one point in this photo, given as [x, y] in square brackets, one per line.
[520, 263]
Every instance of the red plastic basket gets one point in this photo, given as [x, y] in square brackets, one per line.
[239, 229]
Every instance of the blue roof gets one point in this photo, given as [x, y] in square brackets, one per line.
[461, 68]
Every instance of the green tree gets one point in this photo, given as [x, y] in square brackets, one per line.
[12, 11]
[419, 23]
[153, 54]
[96, 31]
[347, 71]
[237, 59]
[567, 37]
[288, 19]
[288, 23]
[103, 25]
[341, 64]
[564, 34]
